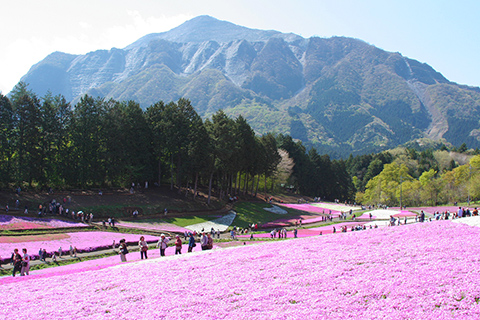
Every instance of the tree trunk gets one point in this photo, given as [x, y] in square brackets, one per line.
[265, 187]
[258, 183]
[237, 187]
[159, 170]
[171, 172]
[245, 184]
[210, 188]
[195, 186]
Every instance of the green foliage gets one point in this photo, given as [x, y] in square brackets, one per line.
[249, 213]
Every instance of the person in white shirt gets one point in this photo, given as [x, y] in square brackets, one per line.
[25, 263]
[163, 244]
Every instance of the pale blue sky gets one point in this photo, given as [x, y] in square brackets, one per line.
[444, 34]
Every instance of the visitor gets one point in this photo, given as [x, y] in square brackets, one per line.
[295, 231]
[123, 251]
[40, 255]
[163, 244]
[142, 244]
[178, 245]
[25, 263]
[209, 242]
[191, 243]
[203, 241]
[460, 212]
[17, 262]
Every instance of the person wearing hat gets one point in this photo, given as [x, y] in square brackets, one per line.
[191, 242]
[178, 245]
[162, 244]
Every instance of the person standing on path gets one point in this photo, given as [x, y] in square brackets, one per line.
[123, 250]
[209, 242]
[178, 245]
[25, 263]
[17, 262]
[163, 244]
[142, 244]
[203, 241]
[191, 243]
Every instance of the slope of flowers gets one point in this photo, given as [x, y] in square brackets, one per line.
[84, 241]
[8, 222]
[335, 206]
[420, 271]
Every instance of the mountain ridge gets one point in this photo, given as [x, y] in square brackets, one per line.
[336, 94]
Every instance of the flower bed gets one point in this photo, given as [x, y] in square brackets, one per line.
[8, 222]
[313, 209]
[420, 271]
[84, 241]
[301, 233]
[313, 214]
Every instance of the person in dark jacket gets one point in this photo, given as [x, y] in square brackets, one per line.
[191, 243]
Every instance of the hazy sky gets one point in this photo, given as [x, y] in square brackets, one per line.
[443, 33]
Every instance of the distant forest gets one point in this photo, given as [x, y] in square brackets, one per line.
[97, 143]
[48, 143]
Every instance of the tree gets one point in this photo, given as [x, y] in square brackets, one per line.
[271, 157]
[88, 142]
[6, 136]
[28, 136]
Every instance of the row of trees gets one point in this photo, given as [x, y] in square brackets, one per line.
[96, 143]
[394, 185]
[46, 142]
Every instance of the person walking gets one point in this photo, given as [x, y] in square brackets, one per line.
[123, 250]
[178, 245]
[203, 241]
[25, 263]
[209, 242]
[191, 243]
[142, 244]
[163, 244]
[17, 262]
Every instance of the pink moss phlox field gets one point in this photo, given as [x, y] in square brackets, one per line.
[432, 210]
[84, 241]
[8, 222]
[312, 209]
[311, 231]
[96, 264]
[418, 271]
[314, 214]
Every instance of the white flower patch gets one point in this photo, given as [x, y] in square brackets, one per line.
[381, 214]
[471, 221]
[276, 210]
[218, 224]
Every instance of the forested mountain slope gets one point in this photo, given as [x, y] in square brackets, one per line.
[340, 95]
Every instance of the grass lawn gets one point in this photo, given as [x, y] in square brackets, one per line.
[253, 212]
[187, 221]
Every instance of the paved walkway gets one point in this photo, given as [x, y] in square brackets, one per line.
[67, 257]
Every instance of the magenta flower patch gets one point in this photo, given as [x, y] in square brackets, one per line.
[418, 271]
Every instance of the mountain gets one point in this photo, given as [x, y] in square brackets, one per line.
[340, 95]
